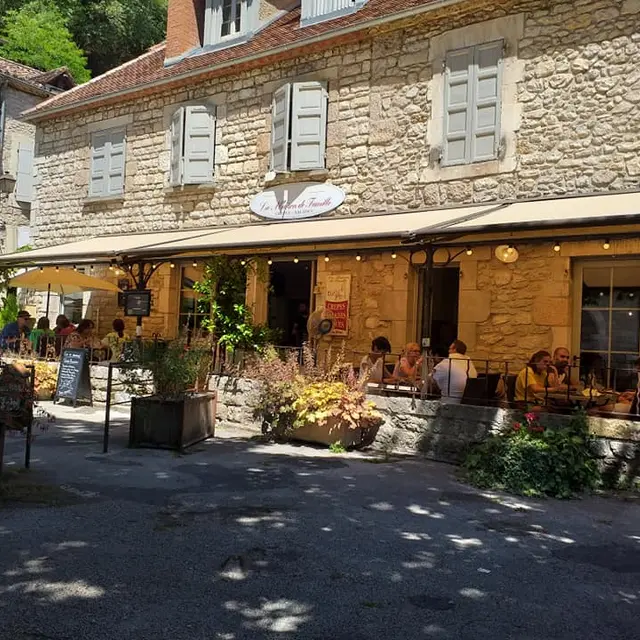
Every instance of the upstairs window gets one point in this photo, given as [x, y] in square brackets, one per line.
[107, 163]
[473, 79]
[192, 145]
[299, 126]
[227, 21]
[24, 175]
[319, 10]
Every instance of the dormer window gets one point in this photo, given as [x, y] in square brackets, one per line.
[314, 11]
[229, 22]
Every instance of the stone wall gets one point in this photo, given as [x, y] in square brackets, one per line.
[443, 432]
[576, 129]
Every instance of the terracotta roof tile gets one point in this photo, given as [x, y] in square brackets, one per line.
[149, 68]
[17, 70]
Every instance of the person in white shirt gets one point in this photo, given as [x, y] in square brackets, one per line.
[451, 374]
[372, 366]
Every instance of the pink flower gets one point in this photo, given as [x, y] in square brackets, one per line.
[530, 417]
[517, 426]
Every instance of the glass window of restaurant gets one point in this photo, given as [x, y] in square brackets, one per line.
[193, 310]
[609, 322]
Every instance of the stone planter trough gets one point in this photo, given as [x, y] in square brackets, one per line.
[336, 431]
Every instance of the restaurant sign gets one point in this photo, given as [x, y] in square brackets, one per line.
[337, 302]
[297, 201]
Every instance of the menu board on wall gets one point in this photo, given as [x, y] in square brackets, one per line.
[337, 302]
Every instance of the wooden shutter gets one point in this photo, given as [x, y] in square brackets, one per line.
[199, 132]
[24, 176]
[308, 126]
[315, 10]
[487, 72]
[176, 167]
[458, 100]
[280, 122]
[116, 161]
[99, 151]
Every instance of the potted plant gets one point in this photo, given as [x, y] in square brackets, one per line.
[178, 414]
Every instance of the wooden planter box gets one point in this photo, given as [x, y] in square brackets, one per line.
[336, 431]
[172, 424]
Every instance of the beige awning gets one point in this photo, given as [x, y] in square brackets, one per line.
[393, 227]
[610, 208]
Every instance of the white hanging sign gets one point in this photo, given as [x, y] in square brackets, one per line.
[297, 201]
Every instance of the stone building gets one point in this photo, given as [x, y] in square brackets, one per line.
[475, 164]
[21, 88]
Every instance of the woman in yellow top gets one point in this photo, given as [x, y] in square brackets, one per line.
[115, 340]
[535, 378]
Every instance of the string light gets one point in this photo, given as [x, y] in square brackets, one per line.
[606, 245]
[394, 255]
[510, 249]
[243, 262]
[269, 261]
[556, 247]
[172, 265]
[469, 251]
[91, 268]
[195, 264]
[358, 257]
[296, 260]
[326, 257]
[57, 269]
[75, 268]
[41, 269]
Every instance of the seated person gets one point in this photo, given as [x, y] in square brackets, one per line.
[114, 341]
[15, 332]
[629, 401]
[536, 378]
[372, 365]
[83, 338]
[451, 374]
[42, 337]
[409, 367]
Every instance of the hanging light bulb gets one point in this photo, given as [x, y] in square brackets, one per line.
[358, 257]
[296, 260]
[510, 249]
[172, 265]
[394, 255]
[75, 268]
[326, 257]
[154, 266]
[57, 269]
[469, 251]
[269, 261]
[195, 264]
[556, 247]
[243, 262]
[606, 245]
[41, 269]
[91, 268]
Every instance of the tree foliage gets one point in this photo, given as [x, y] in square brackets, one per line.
[37, 35]
[107, 32]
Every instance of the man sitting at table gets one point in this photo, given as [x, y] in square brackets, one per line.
[373, 365]
[451, 374]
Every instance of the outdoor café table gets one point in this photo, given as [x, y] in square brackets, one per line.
[574, 399]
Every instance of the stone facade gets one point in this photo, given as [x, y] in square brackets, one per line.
[443, 432]
[14, 214]
[569, 126]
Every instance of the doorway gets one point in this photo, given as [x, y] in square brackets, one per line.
[289, 301]
[444, 307]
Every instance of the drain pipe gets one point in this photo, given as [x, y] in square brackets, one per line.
[3, 120]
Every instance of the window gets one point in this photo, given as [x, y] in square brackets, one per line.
[610, 323]
[193, 310]
[472, 95]
[107, 163]
[192, 145]
[227, 21]
[299, 127]
[318, 10]
[24, 174]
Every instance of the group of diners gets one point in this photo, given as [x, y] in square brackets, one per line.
[22, 337]
[547, 382]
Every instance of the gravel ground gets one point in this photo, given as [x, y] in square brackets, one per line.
[245, 540]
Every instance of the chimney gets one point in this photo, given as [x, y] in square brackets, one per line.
[185, 25]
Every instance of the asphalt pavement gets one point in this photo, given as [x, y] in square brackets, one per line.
[240, 540]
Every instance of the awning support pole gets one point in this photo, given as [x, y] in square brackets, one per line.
[48, 299]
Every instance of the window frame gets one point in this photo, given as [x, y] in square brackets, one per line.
[472, 52]
[196, 297]
[110, 132]
[213, 22]
[292, 92]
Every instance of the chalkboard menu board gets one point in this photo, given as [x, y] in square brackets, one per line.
[15, 398]
[73, 376]
[137, 303]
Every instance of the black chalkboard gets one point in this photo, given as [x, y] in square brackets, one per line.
[73, 376]
[16, 400]
[137, 303]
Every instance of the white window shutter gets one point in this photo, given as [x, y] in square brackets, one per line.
[487, 71]
[280, 122]
[116, 161]
[458, 100]
[99, 151]
[308, 126]
[25, 174]
[199, 137]
[176, 167]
